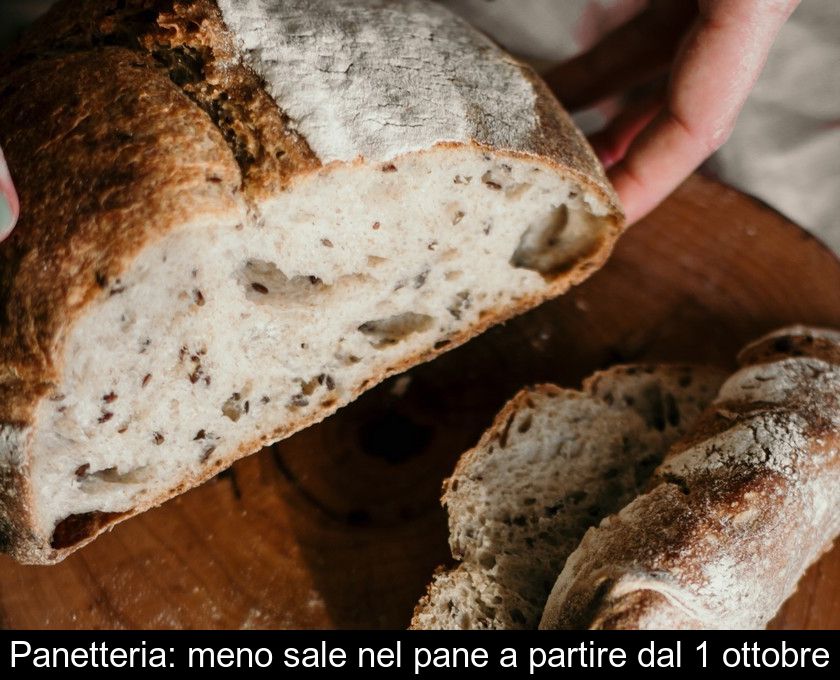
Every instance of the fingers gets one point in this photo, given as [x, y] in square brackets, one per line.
[611, 143]
[9, 205]
[712, 77]
[631, 54]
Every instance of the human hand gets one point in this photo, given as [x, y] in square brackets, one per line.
[711, 52]
[9, 206]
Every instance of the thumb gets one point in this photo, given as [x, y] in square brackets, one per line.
[9, 205]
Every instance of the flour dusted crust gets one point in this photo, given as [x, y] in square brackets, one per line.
[359, 78]
[127, 123]
[736, 513]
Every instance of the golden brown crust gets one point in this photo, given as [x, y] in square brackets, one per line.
[682, 531]
[93, 192]
[122, 120]
[187, 42]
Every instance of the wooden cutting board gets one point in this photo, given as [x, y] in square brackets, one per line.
[340, 525]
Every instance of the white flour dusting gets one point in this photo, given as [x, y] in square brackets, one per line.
[376, 79]
[776, 382]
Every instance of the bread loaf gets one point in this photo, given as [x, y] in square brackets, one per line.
[238, 216]
[734, 515]
[553, 464]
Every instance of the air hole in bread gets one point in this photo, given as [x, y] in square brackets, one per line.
[265, 283]
[91, 481]
[375, 260]
[487, 560]
[235, 406]
[459, 304]
[553, 244]
[393, 329]
[518, 190]
[525, 424]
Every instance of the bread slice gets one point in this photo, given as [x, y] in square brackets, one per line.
[734, 515]
[554, 462]
[239, 216]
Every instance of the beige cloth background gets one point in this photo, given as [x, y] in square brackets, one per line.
[786, 146]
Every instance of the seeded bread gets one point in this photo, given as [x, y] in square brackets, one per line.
[736, 513]
[238, 216]
[553, 464]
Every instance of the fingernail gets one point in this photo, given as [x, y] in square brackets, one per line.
[7, 216]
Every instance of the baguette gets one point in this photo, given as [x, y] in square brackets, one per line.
[238, 216]
[736, 513]
[554, 462]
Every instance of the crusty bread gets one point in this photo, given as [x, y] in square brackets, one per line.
[734, 515]
[239, 216]
[553, 464]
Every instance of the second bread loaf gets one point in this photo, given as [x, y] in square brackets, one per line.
[735, 514]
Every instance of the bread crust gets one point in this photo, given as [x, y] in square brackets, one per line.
[121, 122]
[735, 514]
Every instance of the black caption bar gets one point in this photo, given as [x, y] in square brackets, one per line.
[421, 654]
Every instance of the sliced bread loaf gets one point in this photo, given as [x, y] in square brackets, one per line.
[553, 463]
[238, 216]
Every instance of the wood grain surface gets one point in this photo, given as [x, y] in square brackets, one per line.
[340, 525]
